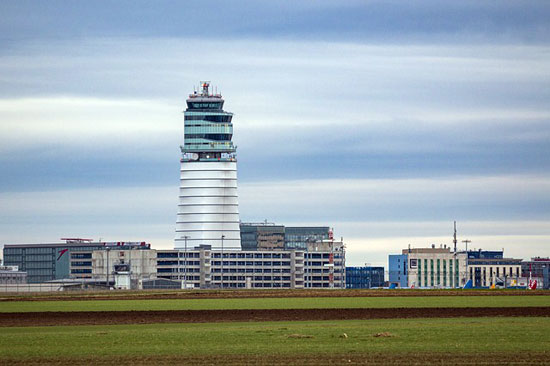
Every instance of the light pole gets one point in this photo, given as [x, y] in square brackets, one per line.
[185, 264]
[107, 268]
[223, 236]
[467, 269]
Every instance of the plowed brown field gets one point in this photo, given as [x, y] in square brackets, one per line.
[232, 294]
[207, 316]
[371, 358]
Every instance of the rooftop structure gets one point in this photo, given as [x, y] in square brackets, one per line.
[262, 236]
[297, 237]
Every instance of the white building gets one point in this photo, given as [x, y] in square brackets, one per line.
[439, 267]
[427, 268]
[11, 275]
[321, 266]
[435, 267]
[124, 269]
[208, 211]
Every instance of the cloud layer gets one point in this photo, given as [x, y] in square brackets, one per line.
[386, 120]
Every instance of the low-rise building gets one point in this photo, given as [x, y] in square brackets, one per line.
[11, 275]
[56, 261]
[490, 268]
[439, 267]
[398, 270]
[539, 268]
[434, 267]
[321, 266]
[124, 269]
[364, 277]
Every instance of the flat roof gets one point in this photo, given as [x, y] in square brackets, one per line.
[426, 250]
[78, 245]
[473, 260]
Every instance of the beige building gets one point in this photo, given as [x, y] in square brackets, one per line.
[435, 267]
[107, 265]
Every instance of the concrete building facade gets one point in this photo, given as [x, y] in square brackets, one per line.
[124, 269]
[488, 268]
[439, 267]
[428, 268]
[322, 266]
[11, 275]
[56, 261]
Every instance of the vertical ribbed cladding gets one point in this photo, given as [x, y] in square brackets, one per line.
[208, 205]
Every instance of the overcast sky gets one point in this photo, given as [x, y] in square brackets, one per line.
[386, 120]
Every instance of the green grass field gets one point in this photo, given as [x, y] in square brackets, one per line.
[275, 303]
[464, 336]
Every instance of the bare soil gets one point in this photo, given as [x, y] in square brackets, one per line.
[420, 358]
[228, 294]
[209, 316]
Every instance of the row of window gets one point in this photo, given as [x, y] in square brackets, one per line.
[317, 284]
[255, 278]
[209, 117]
[251, 270]
[81, 264]
[28, 250]
[251, 263]
[225, 270]
[208, 136]
[81, 270]
[182, 270]
[175, 255]
[40, 264]
[28, 258]
[324, 263]
[175, 263]
[204, 105]
[188, 146]
[40, 272]
[497, 272]
[324, 270]
[320, 278]
[251, 255]
[81, 255]
[208, 128]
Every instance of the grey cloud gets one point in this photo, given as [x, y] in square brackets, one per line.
[375, 21]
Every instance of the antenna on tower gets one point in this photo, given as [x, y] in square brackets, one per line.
[454, 237]
[466, 242]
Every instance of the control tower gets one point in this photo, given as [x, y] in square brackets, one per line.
[208, 210]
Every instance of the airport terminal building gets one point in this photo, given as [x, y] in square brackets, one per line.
[322, 266]
[56, 261]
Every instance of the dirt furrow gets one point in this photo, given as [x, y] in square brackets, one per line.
[209, 316]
